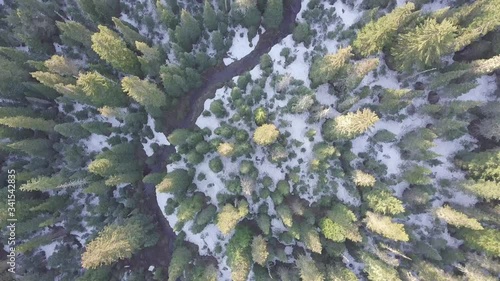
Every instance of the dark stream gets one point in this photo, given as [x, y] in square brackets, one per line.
[189, 108]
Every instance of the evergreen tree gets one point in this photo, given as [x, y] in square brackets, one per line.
[385, 227]
[129, 35]
[425, 45]
[340, 273]
[209, 17]
[72, 130]
[101, 90]
[28, 123]
[376, 35]
[377, 270]
[176, 181]
[114, 242]
[150, 60]
[259, 250]
[308, 269]
[34, 147]
[216, 165]
[188, 31]
[488, 190]
[266, 134]
[101, 10]
[179, 136]
[332, 230]
[180, 259]
[226, 149]
[61, 65]
[145, 93]
[311, 238]
[382, 201]
[273, 15]
[483, 165]
[111, 48]
[417, 175]
[457, 218]
[487, 240]
[260, 116]
[330, 67]
[285, 213]
[218, 109]
[229, 216]
[344, 218]
[239, 254]
[348, 126]
[166, 15]
[363, 179]
[75, 33]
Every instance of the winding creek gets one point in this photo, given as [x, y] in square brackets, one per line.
[190, 106]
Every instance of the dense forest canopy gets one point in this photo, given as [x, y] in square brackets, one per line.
[321, 140]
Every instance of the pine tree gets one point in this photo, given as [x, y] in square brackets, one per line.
[311, 238]
[145, 93]
[487, 240]
[340, 273]
[179, 136]
[330, 67]
[273, 15]
[166, 15]
[259, 250]
[488, 190]
[417, 175]
[332, 230]
[209, 17]
[111, 48]
[28, 123]
[363, 179]
[51, 79]
[180, 259]
[189, 207]
[382, 201]
[308, 269]
[385, 227]
[129, 35]
[425, 45]
[377, 270]
[61, 65]
[376, 35]
[150, 60]
[34, 147]
[358, 71]
[176, 181]
[239, 254]
[101, 90]
[457, 218]
[483, 165]
[229, 216]
[478, 18]
[260, 116]
[72, 130]
[285, 213]
[486, 66]
[75, 33]
[113, 243]
[266, 134]
[188, 31]
[101, 10]
[429, 271]
[348, 126]
[344, 218]
[226, 149]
